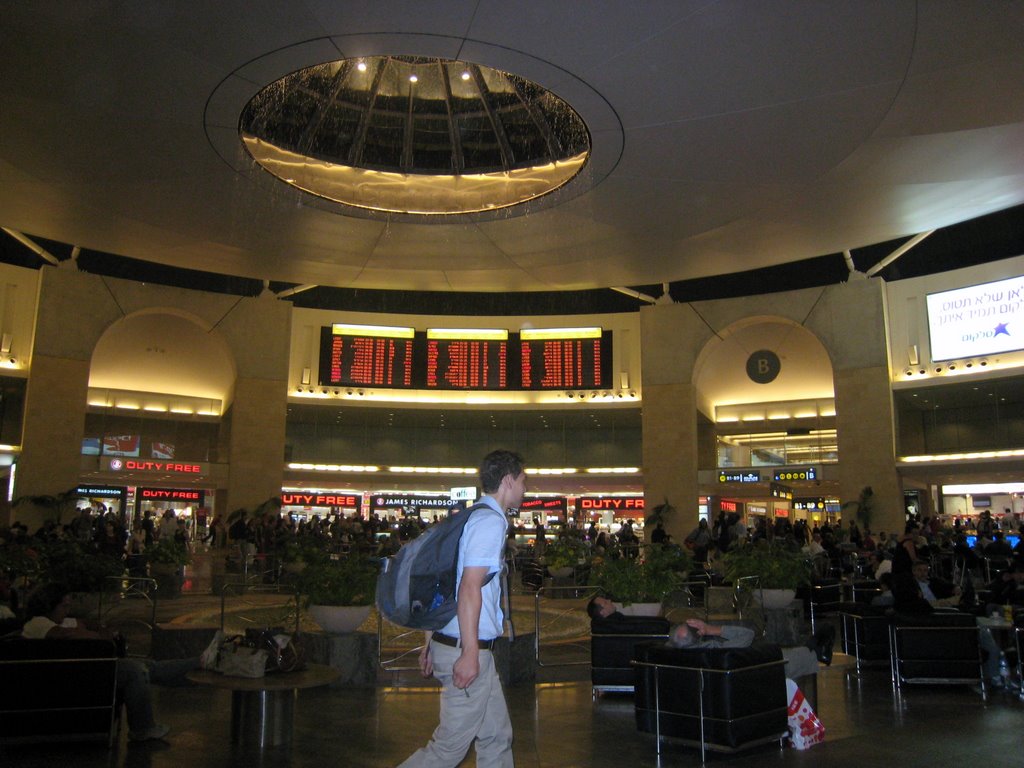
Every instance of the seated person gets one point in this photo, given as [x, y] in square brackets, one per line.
[48, 608]
[1006, 588]
[884, 599]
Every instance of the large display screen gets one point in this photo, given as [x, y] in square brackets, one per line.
[367, 357]
[566, 363]
[466, 363]
[403, 358]
[978, 320]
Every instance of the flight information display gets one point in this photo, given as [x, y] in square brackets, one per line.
[406, 359]
[466, 364]
[365, 361]
[579, 363]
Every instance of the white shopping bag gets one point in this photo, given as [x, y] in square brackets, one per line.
[805, 729]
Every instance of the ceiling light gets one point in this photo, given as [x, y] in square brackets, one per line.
[465, 75]
[413, 79]
[361, 66]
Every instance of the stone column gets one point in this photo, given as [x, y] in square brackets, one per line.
[671, 336]
[256, 448]
[851, 321]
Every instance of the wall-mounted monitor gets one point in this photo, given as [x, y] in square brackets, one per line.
[977, 320]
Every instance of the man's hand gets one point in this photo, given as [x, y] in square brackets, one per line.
[426, 662]
[466, 668]
[702, 629]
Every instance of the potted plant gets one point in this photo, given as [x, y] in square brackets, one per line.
[338, 590]
[644, 580]
[780, 566]
[566, 553]
[167, 559]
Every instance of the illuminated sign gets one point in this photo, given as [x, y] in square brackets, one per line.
[374, 359]
[464, 493]
[100, 491]
[320, 500]
[739, 477]
[419, 502]
[613, 503]
[816, 504]
[978, 320]
[727, 506]
[171, 494]
[795, 473]
[167, 467]
[780, 491]
[555, 504]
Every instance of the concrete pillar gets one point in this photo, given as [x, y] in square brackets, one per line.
[54, 424]
[256, 450]
[671, 338]
[851, 321]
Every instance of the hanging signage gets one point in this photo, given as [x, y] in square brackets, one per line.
[464, 493]
[166, 467]
[101, 491]
[556, 504]
[739, 477]
[728, 506]
[780, 491]
[381, 501]
[612, 503]
[190, 495]
[349, 500]
[790, 474]
[816, 504]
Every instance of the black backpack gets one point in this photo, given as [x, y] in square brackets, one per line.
[416, 587]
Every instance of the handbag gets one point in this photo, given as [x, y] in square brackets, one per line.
[237, 659]
[285, 652]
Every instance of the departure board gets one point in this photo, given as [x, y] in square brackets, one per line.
[406, 359]
[365, 361]
[466, 364]
[566, 363]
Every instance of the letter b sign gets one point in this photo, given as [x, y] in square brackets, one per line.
[763, 366]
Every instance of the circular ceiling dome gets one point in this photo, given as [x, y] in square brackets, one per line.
[415, 135]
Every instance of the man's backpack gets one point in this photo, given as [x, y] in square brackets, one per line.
[416, 587]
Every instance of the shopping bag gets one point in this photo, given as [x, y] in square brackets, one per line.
[805, 729]
[236, 659]
[285, 652]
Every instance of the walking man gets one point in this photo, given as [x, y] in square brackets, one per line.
[459, 655]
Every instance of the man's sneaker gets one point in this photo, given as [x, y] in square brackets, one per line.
[155, 731]
[209, 658]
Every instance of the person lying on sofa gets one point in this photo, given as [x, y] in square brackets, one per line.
[694, 632]
[48, 608]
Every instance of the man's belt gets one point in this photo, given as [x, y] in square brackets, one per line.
[454, 642]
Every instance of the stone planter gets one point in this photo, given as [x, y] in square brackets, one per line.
[563, 572]
[339, 619]
[773, 599]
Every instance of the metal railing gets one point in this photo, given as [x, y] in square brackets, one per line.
[244, 592]
[578, 597]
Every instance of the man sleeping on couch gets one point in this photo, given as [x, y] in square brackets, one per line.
[694, 633]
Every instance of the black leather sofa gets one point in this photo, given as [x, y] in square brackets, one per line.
[57, 690]
[719, 699]
[611, 649]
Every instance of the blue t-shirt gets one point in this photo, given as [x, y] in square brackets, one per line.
[483, 544]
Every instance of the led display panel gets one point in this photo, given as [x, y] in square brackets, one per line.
[466, 364]
[566, 363]
[367, 359]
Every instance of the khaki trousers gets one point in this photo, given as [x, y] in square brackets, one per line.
[478, 712]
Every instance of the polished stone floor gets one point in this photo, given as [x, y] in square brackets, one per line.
[559, 725]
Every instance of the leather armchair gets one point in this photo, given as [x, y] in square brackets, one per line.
[719, 699]
[611, 649]
[940, 647]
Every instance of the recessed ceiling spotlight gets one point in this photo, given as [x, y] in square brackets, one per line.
[465, 75]
[361, 66]
[413, 79]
